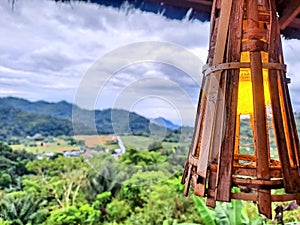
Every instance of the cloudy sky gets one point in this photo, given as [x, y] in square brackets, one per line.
[53, 51]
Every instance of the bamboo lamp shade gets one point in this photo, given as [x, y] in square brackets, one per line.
[244, 86]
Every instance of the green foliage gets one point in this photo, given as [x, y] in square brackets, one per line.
[222, 218]
[105, 175]
[162, 201]
[74, 215]
[14, 122]
[235, 212]
[137, 189]
[19, 117]
[101, 202]
[118, 210]
[12, 165]
[143, 159]
[5, 222]
[21, 208]
[208, 215]
[63, 178]
[102, 199]
[71, 141]
[224, 213]
[154, 146]
[5, 180]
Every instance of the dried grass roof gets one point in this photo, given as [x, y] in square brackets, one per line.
[288, 11]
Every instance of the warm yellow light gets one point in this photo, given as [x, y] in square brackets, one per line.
[245, 96]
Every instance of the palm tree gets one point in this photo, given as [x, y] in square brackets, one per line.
[21, 209]
[106, 175]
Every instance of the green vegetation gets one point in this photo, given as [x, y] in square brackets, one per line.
[137, 142]
[141, 187]
[143, 143]
[59, 145]
[62, 144]
[21, 118]
[13, 166]
[138, 188]
[14, 122]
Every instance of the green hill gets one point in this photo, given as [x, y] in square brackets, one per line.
[20, 117]
[62, 109]
[14, 122]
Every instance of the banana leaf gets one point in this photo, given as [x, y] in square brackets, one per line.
[209, 216]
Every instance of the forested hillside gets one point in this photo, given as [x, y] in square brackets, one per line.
[14, 122]
[19, 117]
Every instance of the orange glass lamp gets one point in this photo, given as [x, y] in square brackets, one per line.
[245, 133]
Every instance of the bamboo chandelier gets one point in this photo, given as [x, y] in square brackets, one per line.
[244, 80]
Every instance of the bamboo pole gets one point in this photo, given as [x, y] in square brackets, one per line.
[214, 89]
[225, 165]
[260, 129]
[290, 178]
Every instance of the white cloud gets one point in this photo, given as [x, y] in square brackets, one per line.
[291, 50]
[47, 47]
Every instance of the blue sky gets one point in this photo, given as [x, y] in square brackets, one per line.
[47, 48]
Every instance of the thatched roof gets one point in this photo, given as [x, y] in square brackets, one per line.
[288, 10]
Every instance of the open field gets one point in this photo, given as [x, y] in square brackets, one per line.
[91, 141]
[57, 146]
[64, 144]
[142, 143]
[136, 142]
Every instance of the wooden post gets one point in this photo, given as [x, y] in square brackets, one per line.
[260, 129]
[214, 87]
[290, 176]
[225, 165]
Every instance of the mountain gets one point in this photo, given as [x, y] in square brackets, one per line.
[20, 117]
[62, 109]
[14, 122]
[165, 123]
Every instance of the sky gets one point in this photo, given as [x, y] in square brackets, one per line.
[101, 57]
